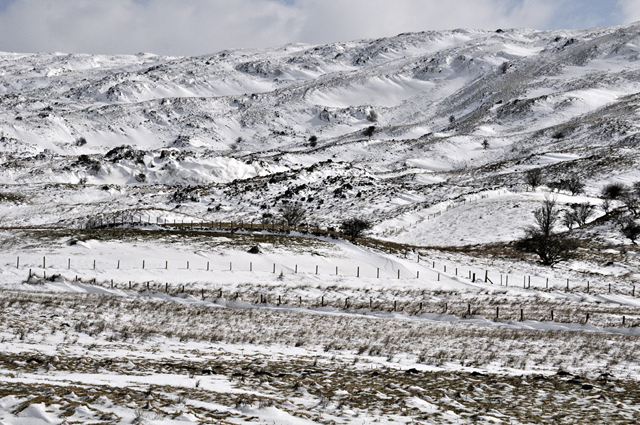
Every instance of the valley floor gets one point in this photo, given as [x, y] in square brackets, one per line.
[206, 332]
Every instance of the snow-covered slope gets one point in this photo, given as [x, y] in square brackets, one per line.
[235, 125]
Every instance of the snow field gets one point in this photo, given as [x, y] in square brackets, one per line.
[98, 357]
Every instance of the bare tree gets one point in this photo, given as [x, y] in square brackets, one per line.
[631, 200]
[547, 216]
[582, 212]
[574, 185]
[355, 227]
[540, 239]
[631, 230]
[569, 220]
[534, 177]
[372, 116]
[293, 213]
[485, 144]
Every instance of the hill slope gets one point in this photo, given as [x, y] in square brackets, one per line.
[234, 126]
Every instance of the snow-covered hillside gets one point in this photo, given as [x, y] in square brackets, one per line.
[236, 124]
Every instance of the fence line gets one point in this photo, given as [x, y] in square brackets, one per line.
[449, 205]
[263, 298]
[453, 274]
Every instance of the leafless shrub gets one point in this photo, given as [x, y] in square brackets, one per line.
[541, 239]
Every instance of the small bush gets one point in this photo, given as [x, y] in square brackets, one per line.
[355, 227]
[534, 177]
[293, 213]
[614, 190]
[369, 131]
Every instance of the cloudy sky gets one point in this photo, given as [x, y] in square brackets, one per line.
[193, 27]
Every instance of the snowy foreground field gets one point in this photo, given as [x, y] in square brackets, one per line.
[239, 343]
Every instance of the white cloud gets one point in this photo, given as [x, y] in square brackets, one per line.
[374, 18]
[630, 10]
[188, 27]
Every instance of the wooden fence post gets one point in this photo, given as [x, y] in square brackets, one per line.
[207, 266]
[230, 266]
[378, 273]
[497, 313]
[521, 315]
[18, 263]
[250, 266]
[274, 267]
[142, 264]
[418, 274]
[336, 270]
[44, 262]
[187, 265]
[399, 274]
[296, 268]
[69, 264]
